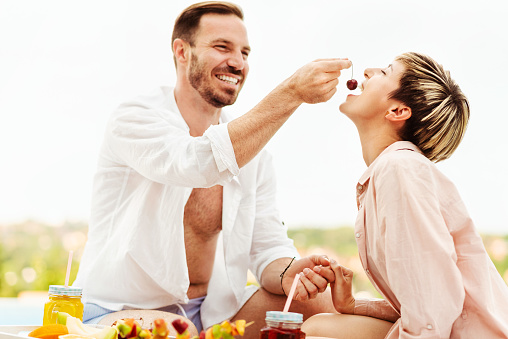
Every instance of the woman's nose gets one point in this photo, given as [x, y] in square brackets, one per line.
[368, 73]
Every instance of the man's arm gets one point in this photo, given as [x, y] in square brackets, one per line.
[313, 83]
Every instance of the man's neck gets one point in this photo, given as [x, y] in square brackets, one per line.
[197, 113]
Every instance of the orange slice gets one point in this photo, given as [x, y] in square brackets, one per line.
[51, 331]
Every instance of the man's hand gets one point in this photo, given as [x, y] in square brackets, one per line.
[317, 274]
[316, 81]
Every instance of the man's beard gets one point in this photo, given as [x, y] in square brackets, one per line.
[207, 92]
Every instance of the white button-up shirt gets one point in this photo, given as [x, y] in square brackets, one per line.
[148, 166]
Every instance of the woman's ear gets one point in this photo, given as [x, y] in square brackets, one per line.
[398, 112]
[180, 49]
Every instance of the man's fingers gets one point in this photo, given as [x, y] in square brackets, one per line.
[343, 63]
[322, 260]
[316, 279]
[325, 272]
[334, 65]
[310, 287]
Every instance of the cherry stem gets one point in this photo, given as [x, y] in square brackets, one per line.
[352, 69]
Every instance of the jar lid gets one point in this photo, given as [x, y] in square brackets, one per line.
[62, 290]
[284, 316]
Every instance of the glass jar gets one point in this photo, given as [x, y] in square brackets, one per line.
[63, 299]
[282, 325]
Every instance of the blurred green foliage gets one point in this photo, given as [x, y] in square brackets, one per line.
[34, 255]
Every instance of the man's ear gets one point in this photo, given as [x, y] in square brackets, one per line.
[181, 50]
[398, 112]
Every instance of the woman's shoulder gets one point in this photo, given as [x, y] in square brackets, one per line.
[403, 158]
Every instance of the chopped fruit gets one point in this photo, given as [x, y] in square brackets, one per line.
[226, 326]
[61, 318]
[145, 334]
[180, 325]
[160, 329]
[51, 331]
[124, 327]
[240, 327]
[181, 329]
[225, 330]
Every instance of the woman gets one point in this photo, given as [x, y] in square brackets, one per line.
[416, 240]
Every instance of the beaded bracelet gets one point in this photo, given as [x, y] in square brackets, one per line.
[282, 275]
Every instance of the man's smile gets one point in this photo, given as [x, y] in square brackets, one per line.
[228, 79]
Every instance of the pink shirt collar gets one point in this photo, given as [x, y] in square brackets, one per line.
[396, 146]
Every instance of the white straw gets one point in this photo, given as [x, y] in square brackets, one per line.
[68, 270]
[291, 293]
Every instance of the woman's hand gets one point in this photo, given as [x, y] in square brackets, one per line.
[342, 288]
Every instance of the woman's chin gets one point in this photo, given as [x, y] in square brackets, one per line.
[343, 107]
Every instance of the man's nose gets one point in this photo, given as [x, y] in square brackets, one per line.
[236, 60]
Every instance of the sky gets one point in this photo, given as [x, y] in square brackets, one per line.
[66, 65]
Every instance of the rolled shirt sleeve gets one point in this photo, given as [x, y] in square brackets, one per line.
[158, 146]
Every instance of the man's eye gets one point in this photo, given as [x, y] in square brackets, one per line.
[221, 47]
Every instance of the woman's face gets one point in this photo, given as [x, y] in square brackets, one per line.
[374, 100]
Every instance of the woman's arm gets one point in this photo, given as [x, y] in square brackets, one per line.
[345, 303]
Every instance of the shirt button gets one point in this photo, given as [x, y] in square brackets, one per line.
[367, 270]
[360, 187]
[357, 235]
[429, 327]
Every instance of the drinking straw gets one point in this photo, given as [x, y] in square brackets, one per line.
[291, 292]
[68, 270]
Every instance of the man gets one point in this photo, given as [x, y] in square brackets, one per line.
[184, 199]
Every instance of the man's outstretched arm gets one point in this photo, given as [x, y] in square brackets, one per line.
[313, 83]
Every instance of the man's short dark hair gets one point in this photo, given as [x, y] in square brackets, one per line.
[188, 21]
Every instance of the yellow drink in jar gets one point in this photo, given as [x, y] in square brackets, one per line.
[63, 299]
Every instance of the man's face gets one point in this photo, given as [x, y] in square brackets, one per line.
[218, 65]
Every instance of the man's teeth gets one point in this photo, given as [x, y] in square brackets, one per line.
[231, 80]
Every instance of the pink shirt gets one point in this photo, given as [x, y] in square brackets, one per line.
[421, 251]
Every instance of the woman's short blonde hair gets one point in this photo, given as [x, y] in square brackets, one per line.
[440, 111]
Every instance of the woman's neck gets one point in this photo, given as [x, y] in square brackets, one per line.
[374, 141]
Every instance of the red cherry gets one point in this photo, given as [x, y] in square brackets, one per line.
[179, 325]
[352, 84]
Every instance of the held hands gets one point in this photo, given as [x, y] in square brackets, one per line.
[317, 272]
[316, 81]
[316, 276]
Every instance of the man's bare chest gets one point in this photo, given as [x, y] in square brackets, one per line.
[203, 211]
